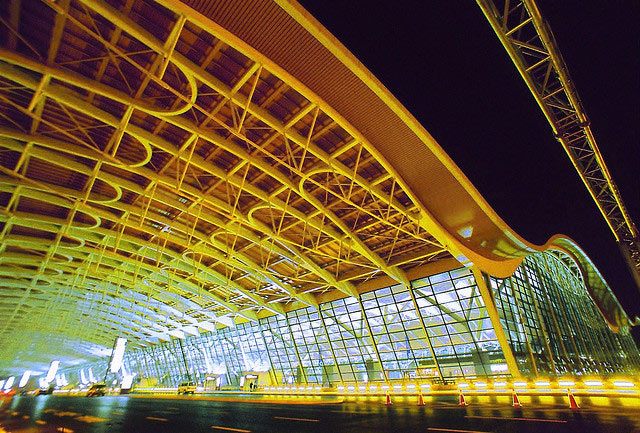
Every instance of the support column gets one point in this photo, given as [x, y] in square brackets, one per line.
[523, 318]
[264, 340]
[424, 329]
[543, 291]
[373, 343]
[490, 305]
[295, 348]
[543, 326]
[562, 295]
[184, 359]
[333, 354]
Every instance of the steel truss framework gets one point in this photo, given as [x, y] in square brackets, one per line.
[155, 178]
[533, 49]
[552, 325]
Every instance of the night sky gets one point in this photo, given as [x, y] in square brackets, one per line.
[442, 60]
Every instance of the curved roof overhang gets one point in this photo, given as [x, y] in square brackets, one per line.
[595, 283]
[452, 209]
[205, 163]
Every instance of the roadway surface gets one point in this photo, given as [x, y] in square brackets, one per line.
[138, 414]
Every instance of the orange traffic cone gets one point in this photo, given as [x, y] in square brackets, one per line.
[463, 402]
[516, 400]
[573, 404]
[388, 403]
[420, 400]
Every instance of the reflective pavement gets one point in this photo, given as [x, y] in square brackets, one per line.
[139, 414]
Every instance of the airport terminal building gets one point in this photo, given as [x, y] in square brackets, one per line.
[234, 193]
[439, 327]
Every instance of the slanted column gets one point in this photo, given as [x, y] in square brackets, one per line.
[541, 322]
[424, 329]
[523, 320]
[373, 343]
[492, 311]
[333, 354]
[295, 348]
[264, 340]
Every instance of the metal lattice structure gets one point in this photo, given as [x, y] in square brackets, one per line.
[156, 179]
[174, 166]
[533, 49]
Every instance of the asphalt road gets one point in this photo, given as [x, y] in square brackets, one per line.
[23, 414]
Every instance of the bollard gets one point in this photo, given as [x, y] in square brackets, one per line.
[420, 399]
[388, 402]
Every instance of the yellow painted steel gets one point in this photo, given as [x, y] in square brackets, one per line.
[587, 160]
[492, 311]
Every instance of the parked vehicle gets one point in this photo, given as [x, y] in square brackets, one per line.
[187, 388]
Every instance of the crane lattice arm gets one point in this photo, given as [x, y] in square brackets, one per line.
[532, 47]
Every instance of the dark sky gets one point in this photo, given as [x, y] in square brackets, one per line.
[443, 61]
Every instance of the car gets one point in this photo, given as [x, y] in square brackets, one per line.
[97, 390]
[187, 388]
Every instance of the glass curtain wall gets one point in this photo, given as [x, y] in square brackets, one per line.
[552, 324]
[438, 329]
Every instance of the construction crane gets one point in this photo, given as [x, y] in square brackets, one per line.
[530, 44]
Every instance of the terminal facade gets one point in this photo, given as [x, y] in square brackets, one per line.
[438, 330]
[232, 192]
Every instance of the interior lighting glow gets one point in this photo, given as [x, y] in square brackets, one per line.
[566, 383]
[499, 368]
[411, 386]
[397, 387]
[340, 387]
[351, 388]
[592, 383]
[279, 388]
[501, 384]
[425, 386]
[295, 388]
[463, 385]
[480, 384]
[362, 388]
[24, 379]
[623, 384]
[53, 369]
[520, 384]
[542, 383]
[286, 388]
[317, 388]
[118, 354]
[373, 388]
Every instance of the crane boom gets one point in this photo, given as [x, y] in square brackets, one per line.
[530, 44]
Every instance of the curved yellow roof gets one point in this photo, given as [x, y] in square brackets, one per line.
[168, 166]
[452, 208]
